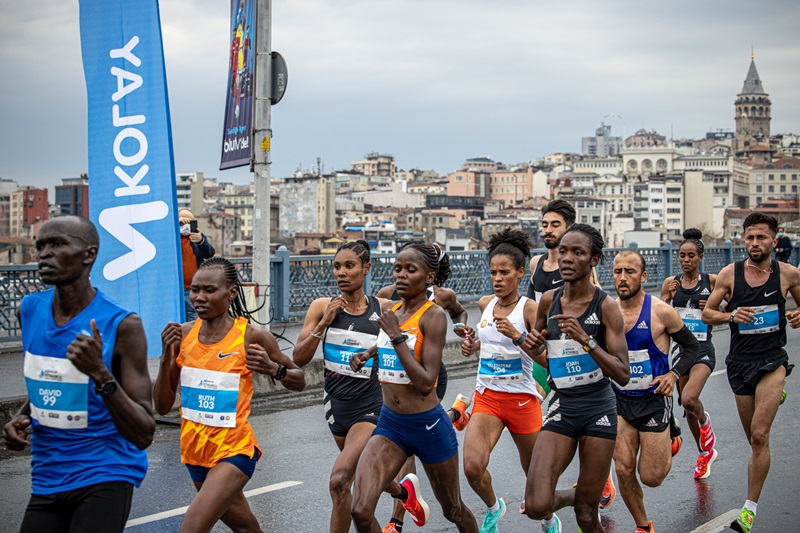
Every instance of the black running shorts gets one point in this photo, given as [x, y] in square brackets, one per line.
[743, 376]
[592, 415]
[344, 414]
[648, 414]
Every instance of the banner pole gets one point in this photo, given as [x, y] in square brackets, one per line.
[262, 136]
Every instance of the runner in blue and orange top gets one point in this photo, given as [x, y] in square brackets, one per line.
[213, 358]
[412, 421]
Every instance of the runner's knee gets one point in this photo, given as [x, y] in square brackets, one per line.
[474, 468]
[538, 508]
[340, 483]
[759, 438]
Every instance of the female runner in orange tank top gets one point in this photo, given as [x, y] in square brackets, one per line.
[214, 358]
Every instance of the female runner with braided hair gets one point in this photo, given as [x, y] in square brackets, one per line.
[213, 358]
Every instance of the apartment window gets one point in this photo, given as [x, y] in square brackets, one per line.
[783, 177]
[772, 177]
[584, 219]
[783, 188]
[794, 188]
[595, 219]
[758, 188]
[771, 188]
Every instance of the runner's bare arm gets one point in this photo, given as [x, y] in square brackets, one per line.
[318, 317]
[386, 292]
[614, 363]
[722, 291]
[793, 282]
[168, 371]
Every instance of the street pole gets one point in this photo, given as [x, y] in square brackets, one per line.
[260, 163]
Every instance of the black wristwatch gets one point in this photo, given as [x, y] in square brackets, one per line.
[521, 339]
[399, 340]
[107, 389]
[281, 373]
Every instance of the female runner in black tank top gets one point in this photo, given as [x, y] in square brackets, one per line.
[584, 309]
[688, 293]
[343, 322]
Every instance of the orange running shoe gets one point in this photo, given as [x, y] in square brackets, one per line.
[703, 467]
[677, 442]
[460, 406]
[707, 437]
[609, 493]
[414, 504]
[640, 530]
[389, 528]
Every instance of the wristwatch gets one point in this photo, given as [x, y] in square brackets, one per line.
[281, 373]
[590, 345]
[399, 340]
[107, 389]
[521, 339]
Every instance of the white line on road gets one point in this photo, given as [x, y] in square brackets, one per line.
[718, 524]
[718, 372]
[181, 510]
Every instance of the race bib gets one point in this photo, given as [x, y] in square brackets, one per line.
[499, 364]
[341, 345]
[570, 365]
[766, 320]
[691, 319]
[641, 371]
[57, 391]
[209, 397]
[390, 369]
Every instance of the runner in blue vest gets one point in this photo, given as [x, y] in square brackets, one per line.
[688, 293]
[88, 391]
[644, 403]
[757, 364]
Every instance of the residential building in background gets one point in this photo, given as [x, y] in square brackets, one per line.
[376, 164]
[190, 191]
[602, 144]
[72, 196]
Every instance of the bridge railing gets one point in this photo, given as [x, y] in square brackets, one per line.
[295, 281]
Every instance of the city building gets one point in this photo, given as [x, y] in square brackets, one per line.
[28, 211]
[72, 196]
[603, 144]
[190, 188]
[776, 180]
[753, 113]
[376, 164]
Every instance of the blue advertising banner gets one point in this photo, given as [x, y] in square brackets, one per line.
[238, 131]
[132, 194]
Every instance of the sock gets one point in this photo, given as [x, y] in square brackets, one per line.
[398, 524]
[708, 419]
[549, 522]
[644, 528]
[403, 496]
[704, 453]
[496, 507]
[751, 505]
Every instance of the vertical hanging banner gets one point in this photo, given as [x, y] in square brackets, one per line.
[237, 134]
[132, 192]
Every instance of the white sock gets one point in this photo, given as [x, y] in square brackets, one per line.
[549, 522]
[496, 507]
[750, 505]
[708, 419]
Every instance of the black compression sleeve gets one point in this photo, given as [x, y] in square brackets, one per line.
[691, 350]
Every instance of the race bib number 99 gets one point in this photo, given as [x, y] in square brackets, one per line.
[58, 392]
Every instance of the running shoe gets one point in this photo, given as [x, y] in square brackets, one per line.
[609, 493]
[703, 467]
[389, 528]
[414, 504]
[640, 530]
[707, 437]
[555, 529]
[783, 397]
[677, 442]
[744, 523]
[460, 406]
[491, 520]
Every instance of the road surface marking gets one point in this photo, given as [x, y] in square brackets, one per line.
[718, 524]
[182, 510]
[718, 372]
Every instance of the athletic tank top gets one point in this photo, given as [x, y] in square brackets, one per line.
[503, 367]
[765, 337]
[687, 302]
[390, 369]
[573, 371]
[216, 389]
[542, 281]
[396, 297]
[646, 360]
[347, 335]
[74, 443]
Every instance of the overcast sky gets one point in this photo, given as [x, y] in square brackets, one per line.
[430, 81]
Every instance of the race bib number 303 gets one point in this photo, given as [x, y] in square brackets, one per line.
[58, 392]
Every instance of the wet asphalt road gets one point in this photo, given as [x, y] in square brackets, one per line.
[298, 448]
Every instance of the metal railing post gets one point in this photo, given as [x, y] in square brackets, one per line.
[280, 299]
[728, 250]
[666, 250]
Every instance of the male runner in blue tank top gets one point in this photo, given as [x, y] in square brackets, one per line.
[757, 362]
[644, 404]
[88, 392]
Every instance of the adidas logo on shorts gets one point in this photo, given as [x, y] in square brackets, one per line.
[603, 422]
[554, 418]
[652, 423]
[704, 292]
[592, 319]
[705, 358]
[642, 325]
[373, 317]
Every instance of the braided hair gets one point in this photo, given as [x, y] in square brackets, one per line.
[514, 243]
[430, 257]
[693, 236]
[444, 265]
[359, 247]
[596, 240]
[238, 305]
